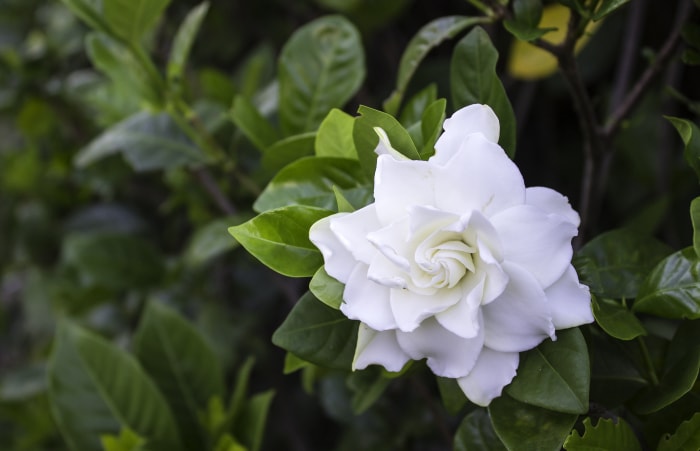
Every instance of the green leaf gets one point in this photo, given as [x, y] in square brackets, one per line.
[616, 319]
[412, 113]
[686, 437]
[127, 440]
[526, 18]
[212, 240]
[524, 427]
[334, 137]
[182, 44]
[321, 67]
[690, 134]
[473, 79]
[607, 7]
[428, 37]
[327, 289]
[695, 219]
[131, 19]
[228, 443]
[451, 394]
[113, 260]
[615, 263]
[366, 139]
[251, 428]
[147, 141]
[89, 12]
[318, 334]
[310, 181]
[287, 151]
[672, 289]
[476, 433]
[431, 126]
[96, 389]
[606, 434]
[555, 375]
[280, 239]
[367, 386]
[237, 402]
[253, 125]
[679, 374]
[183, 366]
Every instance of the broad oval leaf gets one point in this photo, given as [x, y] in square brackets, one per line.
[182, 44]
[212, 240]
[473, 79]
[606, 434]
[310, 181]
[327, 289]
[476, 433]
[131, 19]
[253, 125]
[97, 389]
[555, 375]
[525, 21]
[672, 289]
[280, 239]
[183, 366]
[320, 68]
[431, 126]
[616, 319]
[318, 334]
[524, 427]
[287, 151]
[334, 137]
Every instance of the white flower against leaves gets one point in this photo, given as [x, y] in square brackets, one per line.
[456, 261]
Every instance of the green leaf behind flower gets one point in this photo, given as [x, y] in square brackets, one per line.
[476, 433]
[606, 434]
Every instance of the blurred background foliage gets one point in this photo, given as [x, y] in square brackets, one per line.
[96, 242]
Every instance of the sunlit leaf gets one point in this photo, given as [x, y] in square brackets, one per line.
[327, 289]
[334, 137]
[606, 434]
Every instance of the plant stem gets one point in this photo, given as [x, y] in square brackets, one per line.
[651, 372]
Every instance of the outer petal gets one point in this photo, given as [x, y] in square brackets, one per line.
[538, 242]
[352, 229]
[569, 301]
[367, 301]
[448, 354]
[411, 308]
[470, 119]
[379, 348]
[479, 177]
[401, 184]
[339, 261]
[519, 319]
[492, 372]
[552, 202]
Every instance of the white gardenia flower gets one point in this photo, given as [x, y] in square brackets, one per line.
[456, 261]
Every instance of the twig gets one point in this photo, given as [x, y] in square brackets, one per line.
[204, 177]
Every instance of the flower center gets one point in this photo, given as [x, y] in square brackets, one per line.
[442, 261]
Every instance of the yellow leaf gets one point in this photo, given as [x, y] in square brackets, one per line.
[528, 62]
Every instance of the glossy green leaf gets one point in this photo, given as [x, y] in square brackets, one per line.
[327, 289]
[686, 437]
[606, 434]
[412, 112]
[473, 79]
[131, 19]
[182, 44]
[428, 37]
[690, 134]
[321, 67]
[695, 219]
[672, 289]
[127, 440]
[212, 240]
[525, 21]
[251, 427]
[615, 263]
[524, 427]
[334, 137]
[616, 319]
[555, 375]
[607, 7]
[310, 181]
[318, 334]
[147, 141]
[98, 389]
[253, 125]
[113, 260]
[476, 433]
[366, 138]
[431, 126]
[280, 239]
[183, 366]
[287, 151]
[679, 373]
[89, 12]
[367, 386]
[451, 393]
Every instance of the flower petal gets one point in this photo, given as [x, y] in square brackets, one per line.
[367, 301]
[339, 261]
[411, 308]
[538, 242]
[448, 355]
[470, 119]
[492, 372]
[399, 185]
[519, 319]
[552, 202]
[381, 348]
[352, 230]
[569, 301]
[480, 177]
[463, 318]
